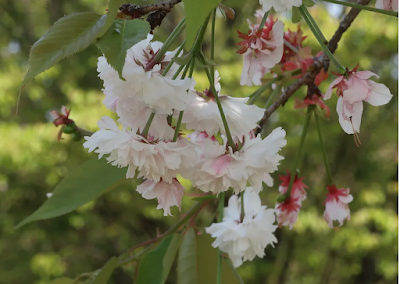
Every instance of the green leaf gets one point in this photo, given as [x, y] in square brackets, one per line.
[120, 37]
[66, 37]
[63, 280]
[196, 12]
[106, 271]
[113, 7]
[85, 183]
[151, 269]
[308, 3]
[170, 255]
[207, 257]
[187, 262]
[296, 16]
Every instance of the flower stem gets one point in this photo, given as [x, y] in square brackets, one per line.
[148, 123]
[302, 140]
[320, 38]
[212, 40]
[175, 33]
[176, 55]
[220, 217]
[321, 141]
[221, 111]
[199, 40]
[264, 19]
[362, 7]
[288, 44]
[261, 90]
[242, 206]
[190, 67]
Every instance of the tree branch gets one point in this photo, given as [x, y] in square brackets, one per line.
[319, 63]
[156, 11]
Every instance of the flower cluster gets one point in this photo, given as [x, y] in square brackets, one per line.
[288, 211]
[147, 102]
[244, 237]
[353, 88]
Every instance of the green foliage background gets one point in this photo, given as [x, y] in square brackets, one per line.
[32, 161]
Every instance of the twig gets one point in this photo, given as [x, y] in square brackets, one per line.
[156, 11]
[319, 63]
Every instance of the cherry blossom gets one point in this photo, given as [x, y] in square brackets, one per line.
[62, 117]
[315, 100]
[389, 5]
[202, 114]
[336, 205]
[288, 211]
[223, 168]
[262, 49]
[279, 5]
[154, 159]
[353, 89]
[244, 237]
[144, 79]
[167, 194]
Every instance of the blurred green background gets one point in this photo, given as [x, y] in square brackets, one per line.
[32, 161]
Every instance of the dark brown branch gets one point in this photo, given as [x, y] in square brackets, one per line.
[319, 63]
[156, 11]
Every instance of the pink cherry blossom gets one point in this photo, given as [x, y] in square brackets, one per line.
[389, 5]
[352, 89]
[167, 194]
[262, 49]
[298, 189]
[336, 205]
[287, 211]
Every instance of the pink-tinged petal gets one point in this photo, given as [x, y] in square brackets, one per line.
[364, 75]
[331, 86]
[395, 5]
[357, 90]
[222, 163]
[380, 94]
[344, 122]
[357, 114]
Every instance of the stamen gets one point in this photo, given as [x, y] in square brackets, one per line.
[357, 140]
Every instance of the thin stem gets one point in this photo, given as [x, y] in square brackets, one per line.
[178, 126]
[320, 38]
[221, 111]
[212, 40]
[321, 141]
[234, 271]
[220, 217]
[147, 126]
[176, 55]
[264, 19]
[190, 67]
[297, 159]
[288, 44]
[361, 7]
[199, 40]
[242, 206]
[261, 90]
[277, 90]
[160, 54]
[177, 72]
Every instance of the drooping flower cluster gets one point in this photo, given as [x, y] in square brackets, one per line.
[262, 49]
[244, 237]
[352, 89]
[288, 211]
[157, 152]
[336, 205]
